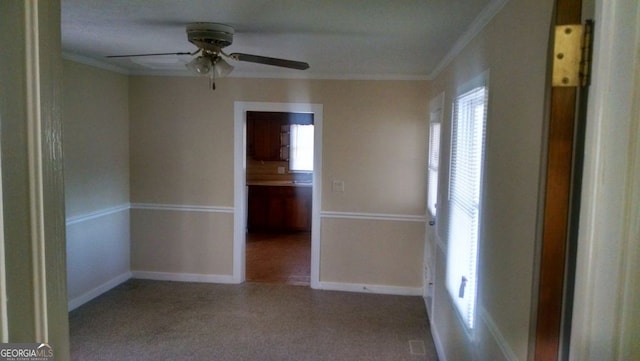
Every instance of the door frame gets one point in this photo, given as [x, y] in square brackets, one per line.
[240, 188]
[432, 241]
[606, 318]
[604, 313]
[34, 297]
[559, 180]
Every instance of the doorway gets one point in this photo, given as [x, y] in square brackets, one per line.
[279, 180]
[302, 192]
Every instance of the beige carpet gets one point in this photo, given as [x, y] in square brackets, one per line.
[153, 320]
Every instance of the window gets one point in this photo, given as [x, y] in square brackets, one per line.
[467, 151]
[435, 120]
[301, 148]
[436, 106]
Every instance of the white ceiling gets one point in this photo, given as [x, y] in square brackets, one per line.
[403, 39]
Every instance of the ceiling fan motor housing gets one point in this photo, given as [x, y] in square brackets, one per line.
[212, 34]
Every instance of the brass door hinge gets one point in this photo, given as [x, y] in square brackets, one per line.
[572, 55]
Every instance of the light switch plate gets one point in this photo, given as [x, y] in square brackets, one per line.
[337, 186]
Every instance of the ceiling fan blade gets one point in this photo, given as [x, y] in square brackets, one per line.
[270, 61]
[152, 54]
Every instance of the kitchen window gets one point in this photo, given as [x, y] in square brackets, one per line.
[301, 148]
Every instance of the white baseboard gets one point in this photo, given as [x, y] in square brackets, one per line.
[183, 277]
[506, 350]
[428, 305]
[366, 288]
[88, 296]
[437, 341]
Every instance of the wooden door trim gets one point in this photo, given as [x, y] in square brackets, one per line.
[556, 206]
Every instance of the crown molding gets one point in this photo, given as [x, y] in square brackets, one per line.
[476, 27]
[329, 76]
[267, 75]
[95, 63]
[241, 74]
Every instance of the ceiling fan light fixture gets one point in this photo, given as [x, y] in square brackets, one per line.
[221, 68]
[210, 36]
[210, 39]
[201, 65]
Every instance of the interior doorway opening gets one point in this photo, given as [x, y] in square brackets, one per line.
[279, 181]
[241, 190]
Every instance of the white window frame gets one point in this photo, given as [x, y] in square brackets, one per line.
[458, 248]
[436, 116]
[436, 113]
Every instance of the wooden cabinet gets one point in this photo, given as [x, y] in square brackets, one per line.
[264, 142]
[279, 208]
[268, 132]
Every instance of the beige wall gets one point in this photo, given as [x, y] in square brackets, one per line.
[96, 138]
[374, 131]
[182, 242]
[513, 47]
[374, 139]
[96, 169]
[378, 252]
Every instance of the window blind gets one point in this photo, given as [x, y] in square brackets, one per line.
[467, 151]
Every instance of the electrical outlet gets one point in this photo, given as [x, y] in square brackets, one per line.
[280, 170]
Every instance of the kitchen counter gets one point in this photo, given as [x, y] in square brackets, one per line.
[276, 183]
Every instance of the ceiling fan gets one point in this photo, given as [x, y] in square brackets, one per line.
[211, 38]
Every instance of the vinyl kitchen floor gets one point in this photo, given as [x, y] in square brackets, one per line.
[283, 258]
